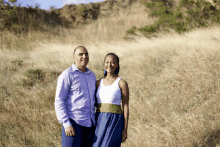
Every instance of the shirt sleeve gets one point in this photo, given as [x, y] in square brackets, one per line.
[63, 85]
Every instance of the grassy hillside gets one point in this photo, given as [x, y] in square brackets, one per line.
[173, 79]
[20, 20]
[179, 16]
[109, 28]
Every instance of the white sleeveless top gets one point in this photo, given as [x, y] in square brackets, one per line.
[109, 94]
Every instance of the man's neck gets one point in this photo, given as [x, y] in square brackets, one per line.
[83, 69]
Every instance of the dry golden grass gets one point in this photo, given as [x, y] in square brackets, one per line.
[108, 29]
[173, 81]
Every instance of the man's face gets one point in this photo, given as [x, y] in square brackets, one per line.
[81, 57]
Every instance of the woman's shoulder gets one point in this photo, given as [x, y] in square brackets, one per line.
[123, 83]
[98, 82]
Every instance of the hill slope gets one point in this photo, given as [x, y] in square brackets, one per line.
[67, 16]
[173, 80]
[109, 28]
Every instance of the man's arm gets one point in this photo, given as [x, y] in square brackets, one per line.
[63, 85]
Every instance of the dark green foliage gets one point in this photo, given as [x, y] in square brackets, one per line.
[148, 29]
[180, 27]
[35, 74]
[81, 9]
[33, 77]
[12, 1]
[17, 63]
[21, 19]
[39, 76]
[159, 8]
[188, 15]
[186, 3]
[132, 30]
[216, 1]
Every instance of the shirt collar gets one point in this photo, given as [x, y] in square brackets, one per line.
[75, 68]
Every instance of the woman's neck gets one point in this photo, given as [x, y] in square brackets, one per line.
[111, 76]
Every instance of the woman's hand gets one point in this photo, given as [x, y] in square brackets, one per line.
[70, 131]
[124, 135]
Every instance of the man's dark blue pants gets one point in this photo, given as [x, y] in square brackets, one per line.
[84, 136]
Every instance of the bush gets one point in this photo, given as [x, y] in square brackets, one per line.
[21, 20]
[35, 76]
[17, 63]
[132, 30]
[148, 29]
[188, 15]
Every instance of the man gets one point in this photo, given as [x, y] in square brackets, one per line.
[74, 101]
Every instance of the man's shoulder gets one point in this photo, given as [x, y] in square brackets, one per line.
[66, 72]
[92, 74]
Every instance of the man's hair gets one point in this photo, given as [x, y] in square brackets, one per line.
[78, 47]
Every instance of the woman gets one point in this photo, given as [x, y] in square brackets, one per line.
[112, 121]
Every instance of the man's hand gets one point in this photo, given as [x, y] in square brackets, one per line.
[70, 131]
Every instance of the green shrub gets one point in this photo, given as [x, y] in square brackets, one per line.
[188, 15]
[20, 20]
[149, 29]
[17, 63]
[186, 3]
[35, 76]
[81, 9]
[132, 30]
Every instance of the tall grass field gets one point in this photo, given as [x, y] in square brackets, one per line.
[174, 82]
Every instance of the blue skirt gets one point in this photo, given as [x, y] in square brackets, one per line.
[109, 127]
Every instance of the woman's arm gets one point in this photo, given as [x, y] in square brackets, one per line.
[125, 106]
[97, 84]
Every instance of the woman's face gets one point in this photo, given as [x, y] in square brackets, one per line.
[110, 64]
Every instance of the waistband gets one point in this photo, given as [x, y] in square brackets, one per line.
[111, 108]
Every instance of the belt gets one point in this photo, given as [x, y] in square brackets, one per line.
[107, 107]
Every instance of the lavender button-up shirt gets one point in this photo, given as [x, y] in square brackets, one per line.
[75, 97]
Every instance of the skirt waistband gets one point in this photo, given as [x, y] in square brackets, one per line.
[111, 108]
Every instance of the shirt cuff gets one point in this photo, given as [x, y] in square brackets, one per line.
[67, 124]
